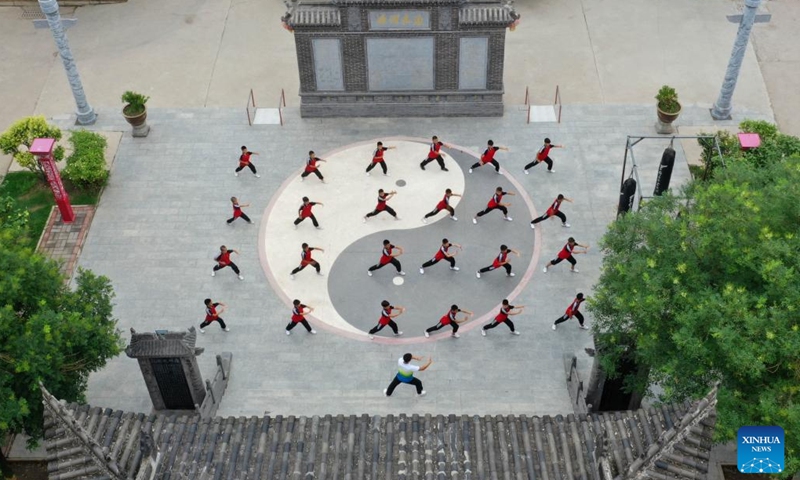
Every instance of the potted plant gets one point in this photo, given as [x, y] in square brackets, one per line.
[668, 109]
[135, 112]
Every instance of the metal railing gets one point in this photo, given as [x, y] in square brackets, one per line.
[556, 104]
[251, 102]
[281, 106]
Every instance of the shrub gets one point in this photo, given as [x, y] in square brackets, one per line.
[22, 133]
[86, 166]
[135, 103]
[668, 100]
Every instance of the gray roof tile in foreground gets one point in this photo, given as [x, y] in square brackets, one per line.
[670, 442]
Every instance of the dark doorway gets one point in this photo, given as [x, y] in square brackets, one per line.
[172, 383]
[614, 397]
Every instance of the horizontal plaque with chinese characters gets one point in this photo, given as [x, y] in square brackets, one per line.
[399, 20]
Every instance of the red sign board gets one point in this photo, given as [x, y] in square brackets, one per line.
[42, 149]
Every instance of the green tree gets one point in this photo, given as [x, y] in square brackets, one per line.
[18, 138]
[48, 331]
[705, 289]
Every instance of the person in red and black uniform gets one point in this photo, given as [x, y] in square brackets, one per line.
[495, 203]
[543, 155]
[451, 318]
[299, 312]
[224, 260]
[306, 260]
[442, 254]
[444, 204]
[213, 315]
[389, 255]
[305, 212]
[554, 210]
[506, 310]
[237, 211]
[388, 313]
[567, 253]
[377, 159]
[383, 197]
[573, 311]
[435, 154]
[488, 157]
[311, 167]
[244, 161]
[500, 261]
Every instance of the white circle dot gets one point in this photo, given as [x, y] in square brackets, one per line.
[398, 280]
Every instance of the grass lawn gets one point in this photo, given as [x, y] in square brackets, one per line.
[32, 194]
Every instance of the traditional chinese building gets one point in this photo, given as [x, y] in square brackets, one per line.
[400, 58]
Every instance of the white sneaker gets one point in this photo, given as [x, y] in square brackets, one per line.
[295, 227]
[302, 179]
[583, 327]
[566, 225]
[371, 337]
[291, 276]
[555, 326]
[533, 226]
[313, 332]
[574, 270]
[320, 274]
[368, 174]
[454, 218]
[422, 271]
[422, 394]
[544, 269]
[213, 273]
[241, 277]
[512, 274]
[455, 335]
[236, 174]
[455, 269]
[227, 329]
[470, 170]
[402, 274]
[508, 219]
[475, 221]
[319, 228]
[369, 273]
[385, 390]
[288, 332]
[526, 172]
[397, 218]
[425, 221]
[202, 330]
[258, 176]
[386, 174]
[515, 332]
[478, 274]
[552, 170]
[498, 172]
[365, 220]
[483, 332]
[427, 335]
[398, 334]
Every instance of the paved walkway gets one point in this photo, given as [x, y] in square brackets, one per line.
[162, 219]
[63, 241]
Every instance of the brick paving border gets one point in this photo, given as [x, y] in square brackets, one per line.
[64, 241]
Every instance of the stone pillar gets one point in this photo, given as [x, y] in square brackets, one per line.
[722, 107]
[85, 112]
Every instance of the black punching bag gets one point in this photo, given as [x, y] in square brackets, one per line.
[626, 196]
[665, 171]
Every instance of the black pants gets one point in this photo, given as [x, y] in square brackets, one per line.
[546, 216]
[395, 382]
[386, 209]
[489, 209]
[535, 162]
[249, 165]
[565, 317]
[493, 162]
[372, 165]
[232, 265]
[438, 159]
[507, 266]
[314, 263]
[291, 325]
[377, 328]
[439, 326]
[436, 210]
[570, 259]
[315, 172]
[312, 217]
[433, 261]
[244, 217]
[393, 261]
[209, 322]
[496, 323]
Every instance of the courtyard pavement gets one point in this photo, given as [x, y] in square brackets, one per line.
[162, 218]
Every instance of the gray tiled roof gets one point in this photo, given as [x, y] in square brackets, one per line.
[165, 344]
[667, 442]
[485, 14]
[314, 16]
